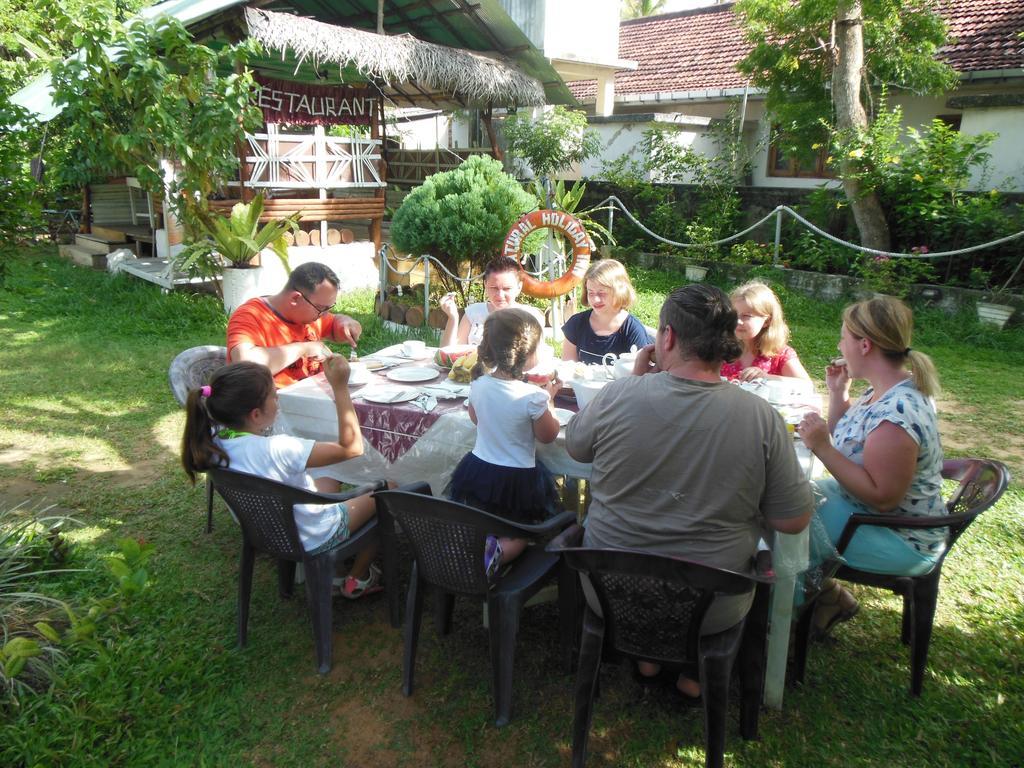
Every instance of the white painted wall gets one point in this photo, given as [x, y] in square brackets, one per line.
[1006, 170]
[582, 29]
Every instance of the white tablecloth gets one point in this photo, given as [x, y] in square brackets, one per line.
[307, 410]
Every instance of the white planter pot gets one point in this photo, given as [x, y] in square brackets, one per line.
[240, 285]
[994, 314]
[696, 273]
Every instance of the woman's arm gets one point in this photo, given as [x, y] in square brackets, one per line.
[451, 327]
[569, 351]
[890, 460]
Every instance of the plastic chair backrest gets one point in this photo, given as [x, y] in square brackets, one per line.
[653, 605]
[193, 367]
[447, 538]
[264, 510]
[982, 482]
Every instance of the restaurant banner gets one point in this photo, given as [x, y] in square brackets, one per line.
[304, 104]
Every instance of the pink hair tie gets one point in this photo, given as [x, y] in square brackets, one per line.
[206, 390]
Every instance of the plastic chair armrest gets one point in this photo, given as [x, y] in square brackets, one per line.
[897, 521]
[570, 537]
[351, 493]
[552, 526]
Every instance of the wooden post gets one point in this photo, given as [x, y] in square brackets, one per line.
[85, 223]
[376, 233]
[491, 135]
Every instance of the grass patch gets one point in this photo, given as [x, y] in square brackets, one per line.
[89, 423]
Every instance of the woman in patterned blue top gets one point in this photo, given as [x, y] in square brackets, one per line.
[882, 450]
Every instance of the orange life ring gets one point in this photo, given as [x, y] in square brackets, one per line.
[562, 222]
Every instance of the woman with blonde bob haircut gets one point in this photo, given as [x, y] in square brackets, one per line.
[606, 327]
[882, 450]
[761, 329]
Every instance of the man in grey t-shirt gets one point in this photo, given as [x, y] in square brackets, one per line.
[684, 463]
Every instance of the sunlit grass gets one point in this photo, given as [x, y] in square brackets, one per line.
[89, 423]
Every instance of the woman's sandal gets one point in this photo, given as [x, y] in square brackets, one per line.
[835, 606]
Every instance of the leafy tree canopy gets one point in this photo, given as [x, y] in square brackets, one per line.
[552, 142]
[794, 55]
[144, 93]
[634, 9]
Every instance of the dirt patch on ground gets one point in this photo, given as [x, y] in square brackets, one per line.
[964, 433]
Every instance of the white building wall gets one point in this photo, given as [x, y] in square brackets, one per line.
[1006, 168]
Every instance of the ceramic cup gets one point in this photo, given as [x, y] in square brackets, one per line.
[414, 348]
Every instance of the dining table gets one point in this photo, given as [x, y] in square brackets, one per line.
[416, 427]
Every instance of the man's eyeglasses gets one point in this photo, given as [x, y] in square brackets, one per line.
[320, 311]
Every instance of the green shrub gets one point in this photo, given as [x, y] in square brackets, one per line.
[461, 215]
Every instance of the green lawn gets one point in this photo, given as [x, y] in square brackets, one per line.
[89, 424]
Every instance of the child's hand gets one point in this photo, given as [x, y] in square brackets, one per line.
[553, 386]
[751, 373]
[337, 371]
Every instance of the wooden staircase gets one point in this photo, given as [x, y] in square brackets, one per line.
[90, 250]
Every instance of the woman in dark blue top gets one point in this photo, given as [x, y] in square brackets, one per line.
[607, 327]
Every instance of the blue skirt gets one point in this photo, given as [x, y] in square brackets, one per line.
[523, 494]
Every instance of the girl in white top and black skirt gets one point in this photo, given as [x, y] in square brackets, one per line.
[501, 475]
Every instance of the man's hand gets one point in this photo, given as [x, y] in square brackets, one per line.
[645, 362]
[337, 371]
[347, 330]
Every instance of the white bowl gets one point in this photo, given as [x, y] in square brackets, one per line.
[585, 390]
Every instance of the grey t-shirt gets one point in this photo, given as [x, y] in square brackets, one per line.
[687, 468]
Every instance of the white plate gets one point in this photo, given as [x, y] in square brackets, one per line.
[391, 394]
[564, 415]
[411, 375]
[357, 379]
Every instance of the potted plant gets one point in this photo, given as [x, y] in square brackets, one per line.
[228, 245]
[700, 235]
[994, 307]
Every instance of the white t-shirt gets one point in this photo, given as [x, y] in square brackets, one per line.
[283, 458]
[505, 412]
[477, 314]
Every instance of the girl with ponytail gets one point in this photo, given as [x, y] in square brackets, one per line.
[501, 475]
[882, 450]
[227, 423]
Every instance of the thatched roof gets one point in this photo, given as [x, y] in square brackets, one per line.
[394, 61]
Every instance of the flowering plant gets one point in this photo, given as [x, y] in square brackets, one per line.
[894, 276]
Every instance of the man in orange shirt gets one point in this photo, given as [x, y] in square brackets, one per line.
[285, 331]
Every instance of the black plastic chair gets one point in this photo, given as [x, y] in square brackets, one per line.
[447, 541]
[649, 606]
[982, 482]
[263, 509]
[190, 369]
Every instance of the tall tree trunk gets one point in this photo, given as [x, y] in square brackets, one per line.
[850, 116]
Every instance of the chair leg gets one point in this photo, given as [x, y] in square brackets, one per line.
[389, 551]
[503, 615]
[209, 504]
[247, 561]
[926, 595]
[413, 616]
[591, 643]
[802, 641]
[444, 608]
[319, 583]
[752, 663]
[907, 626]
[714, 687]
[286, 578]
[568, 612]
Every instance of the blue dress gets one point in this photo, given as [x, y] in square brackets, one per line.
[590, 347]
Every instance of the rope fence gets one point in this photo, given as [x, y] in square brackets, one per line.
[612, 203]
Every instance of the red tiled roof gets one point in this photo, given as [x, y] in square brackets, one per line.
[985, 34]
[697, 50]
